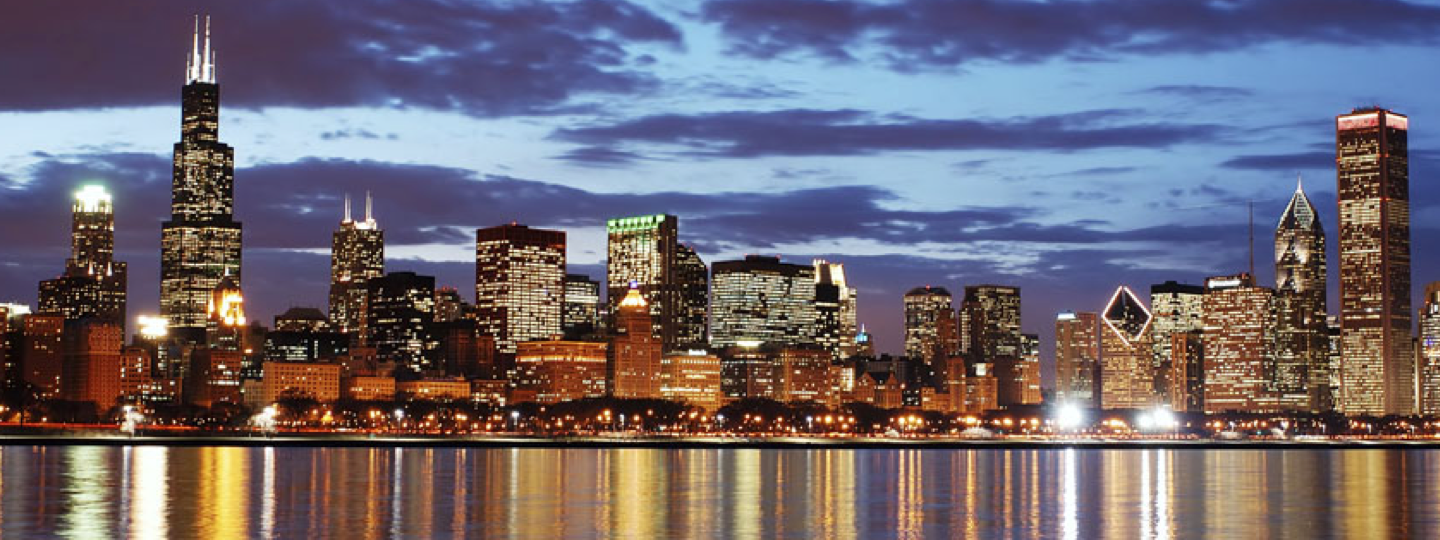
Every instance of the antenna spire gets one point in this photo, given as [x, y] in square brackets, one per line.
[368, 206]
[347, 209]
[1299, 183]
[192, 66]
[208, 72]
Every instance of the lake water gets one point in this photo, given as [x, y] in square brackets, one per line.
[148, 491]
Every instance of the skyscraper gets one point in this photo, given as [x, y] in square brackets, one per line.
[836, 310]
[519, 283]
[400, 319]
[1077, 358]
[1302, 360]
[582, 306]
[1430, 350]
[94, 282]
[1178, 308]
[930, 331]
[692, 281]
[635, 369]
[760, 299]
[200, 243]
[1126, 355]
[643, 250]
[357, 255]
[1373, 175]
[989, 328]
[1238, 335]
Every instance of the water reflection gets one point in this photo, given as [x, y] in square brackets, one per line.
[95, 492]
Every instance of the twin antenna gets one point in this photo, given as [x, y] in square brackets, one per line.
[368, 207]
[200, 67]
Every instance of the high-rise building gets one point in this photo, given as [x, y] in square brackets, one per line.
[1302, 362]
[1187, 371]
[692, 279]
[225, 322]
[200, 243]
[519, 284]
[449, 306]
[1239, 333]
[1127, 375]
[1178, 308]
[1373, 174]
[836, 313]
[930, 330]
[582, 306]
[357, 255]
[94, 283]
[762, 300]
[748, 371]
[645, 250]
[804, 374]
[989, 328]
[1430, 350]
[400, 318]
[1077, 358]
[635, 369]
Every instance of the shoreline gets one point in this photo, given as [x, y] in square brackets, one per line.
[685, 443]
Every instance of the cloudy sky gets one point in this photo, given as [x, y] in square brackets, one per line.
[1065, 147]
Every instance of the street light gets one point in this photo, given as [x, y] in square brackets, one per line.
[515, 421]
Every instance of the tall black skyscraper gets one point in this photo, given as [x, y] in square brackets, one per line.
[200, 244]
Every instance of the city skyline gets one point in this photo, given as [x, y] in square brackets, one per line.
[709, 218]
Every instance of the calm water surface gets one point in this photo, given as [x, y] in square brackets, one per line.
[100, 492]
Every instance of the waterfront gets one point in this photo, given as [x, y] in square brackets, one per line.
[149, 491]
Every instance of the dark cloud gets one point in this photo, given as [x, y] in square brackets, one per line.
[1301, 161]
[350, 133]
[480, 58]
[1197, 91]
[911, 34]
[599, 155]
[810, 132]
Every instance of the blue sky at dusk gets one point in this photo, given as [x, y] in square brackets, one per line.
[1066, 147]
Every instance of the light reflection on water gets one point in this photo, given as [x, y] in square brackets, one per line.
[97, 492]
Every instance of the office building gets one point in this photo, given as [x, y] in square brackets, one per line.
[836, 310]
[989, 329]
[400, 318]
[581, 316]
[635, 369]
[1430, 351]
[557, 371]
[1238, 338]
[200, 243]
[762, 300]
[519, 284]
[1127, 375]
[90, 370]
[692, 377]
[1077, 358]
[94, 283]
[646, 250]
[1373, 178]
[357, 255]
[930, 327]
[1301, 354]
[1178, 308]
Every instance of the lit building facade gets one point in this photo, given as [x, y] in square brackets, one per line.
[559, 371]
[200, 243]
[581, 315]
[748, 371]
[1127, 375]
[94, 283]
[692, 377]
[91, 368]
[282, 380]
[400, 318]
[357, 255]
[1077, 358]
[836, 310]
[1027, 371]
[805, 374]
[1239, 333]
[1430, 350]
[635, 371]
[519, 284]
[692, 279]
[989, 329]
[42, 353]
[1177, 308]
[930, 330]
[1301, 353]
[760, 299]
[1187, 371]
[1373, 176]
